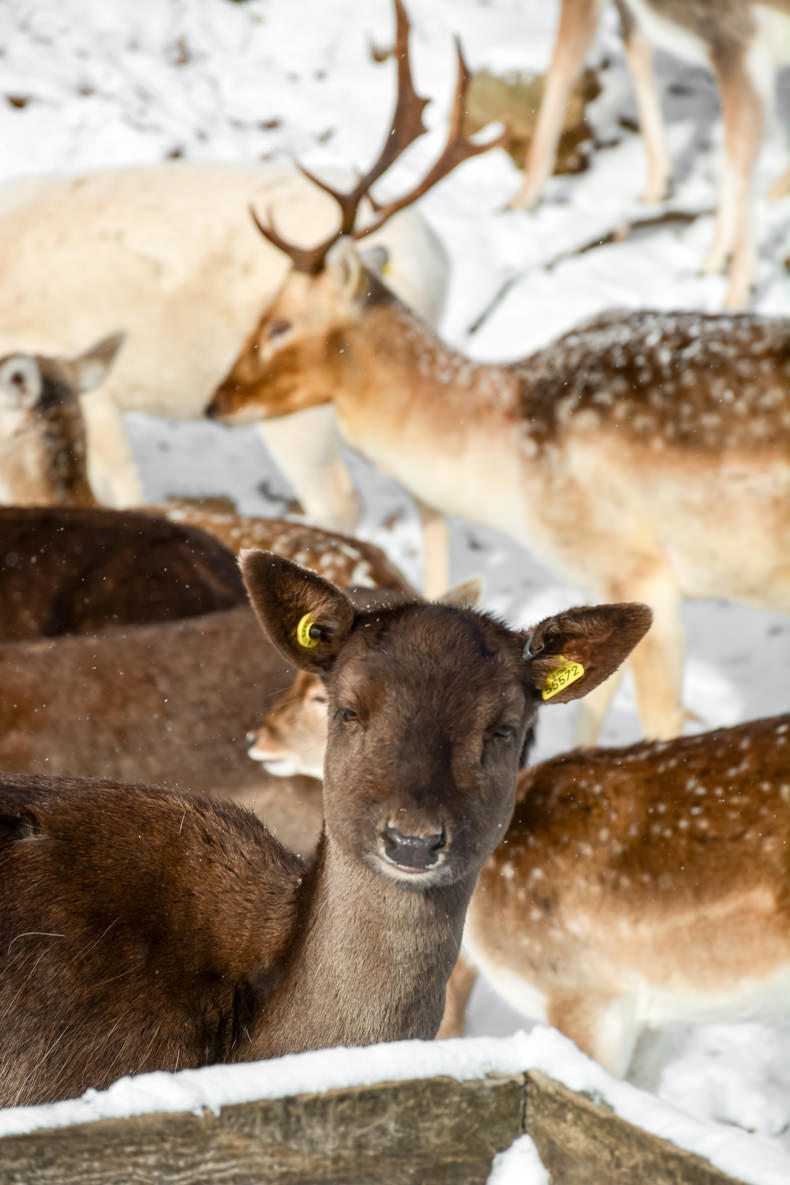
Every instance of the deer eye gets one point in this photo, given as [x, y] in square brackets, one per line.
[279, 327]
[317, 698]
[504, 732]
[348, 714]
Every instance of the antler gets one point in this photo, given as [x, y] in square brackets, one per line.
[407, 125]
[457, 149]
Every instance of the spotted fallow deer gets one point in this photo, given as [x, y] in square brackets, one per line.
[642, 455]
[207, 941]
[742, 41]
[43, 463]
[634, 889]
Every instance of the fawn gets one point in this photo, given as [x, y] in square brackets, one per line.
[737, 39]
[144, 929]
[643, 455]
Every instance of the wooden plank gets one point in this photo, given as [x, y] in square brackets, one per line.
[582, 1142]
[433, 1131]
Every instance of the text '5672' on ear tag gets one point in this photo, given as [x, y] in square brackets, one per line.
[308, 634]
[562, 676]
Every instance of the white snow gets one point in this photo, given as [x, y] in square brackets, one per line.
[137, 80]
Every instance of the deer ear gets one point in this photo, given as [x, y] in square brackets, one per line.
[305, 616]
[89, 370]
[344, 267]
[466, 595]
[20, 380]
[569, 654]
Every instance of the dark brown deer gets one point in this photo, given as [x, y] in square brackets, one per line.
[68, 570]
[143, 929]
[643, 455]
[635, 888]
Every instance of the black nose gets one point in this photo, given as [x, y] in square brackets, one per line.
[211, 411]
[251, 736]
[412, 851]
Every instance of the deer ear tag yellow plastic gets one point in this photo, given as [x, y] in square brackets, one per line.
[308, 632]
[562, 676]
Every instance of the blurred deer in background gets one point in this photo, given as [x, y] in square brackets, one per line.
[246, 953]
[168, 252]
[643, 455]
[43, 463]
[741, 41]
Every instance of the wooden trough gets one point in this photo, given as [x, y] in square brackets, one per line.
[429, 1131]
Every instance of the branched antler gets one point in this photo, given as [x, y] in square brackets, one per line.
[407, 125]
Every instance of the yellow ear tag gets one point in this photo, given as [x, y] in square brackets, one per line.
[562, 676]
[308, 634]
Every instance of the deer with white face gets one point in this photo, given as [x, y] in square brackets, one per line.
[209, 941]
[742, 41]
[635, 888]
[643, 455]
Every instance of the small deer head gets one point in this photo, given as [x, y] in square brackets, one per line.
[286, 363]
[32, 384]
[428, 708]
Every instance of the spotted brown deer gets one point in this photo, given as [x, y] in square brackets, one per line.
[642, 455]
[635, 888]
[737, 39]
[143, 929]
[43, 463]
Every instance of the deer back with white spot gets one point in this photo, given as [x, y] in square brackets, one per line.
[644, 886]
[634, 456]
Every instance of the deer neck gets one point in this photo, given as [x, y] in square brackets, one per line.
[395, 374]
[45, 464]
[370, 963]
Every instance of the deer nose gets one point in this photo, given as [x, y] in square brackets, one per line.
[251, 737]
[211, 411]
[413, 851]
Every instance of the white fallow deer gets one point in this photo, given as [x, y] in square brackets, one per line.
[643, 455]
[635, 888]
[742, 41]
[43, 463]
[208, 941]
[168, 253]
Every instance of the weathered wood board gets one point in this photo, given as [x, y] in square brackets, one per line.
[434, 1131]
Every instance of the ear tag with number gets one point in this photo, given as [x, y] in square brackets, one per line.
[562, 676]
[308, 633]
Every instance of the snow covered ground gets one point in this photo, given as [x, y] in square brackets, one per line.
[90, 84]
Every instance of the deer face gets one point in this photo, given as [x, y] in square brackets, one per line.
[292, 738]
[289, 361]
[32, 384]
[428, 708]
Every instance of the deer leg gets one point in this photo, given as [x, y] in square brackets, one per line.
[111, 469]
[459, 989]
[578, 22]
[306, 447]
[603, 1025]
[780, 187]
[744, 117]
[640, 60]
[435, 550]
